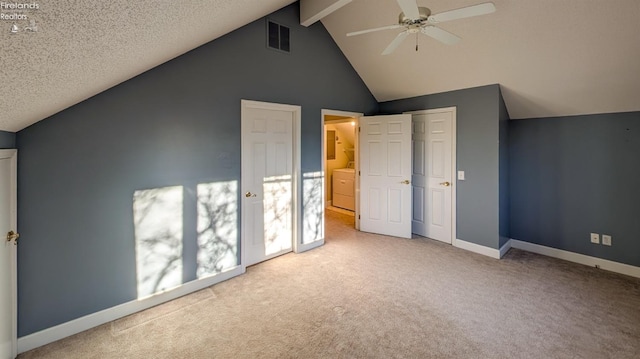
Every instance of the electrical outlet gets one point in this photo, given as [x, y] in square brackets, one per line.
[606, 239]
[595, 238]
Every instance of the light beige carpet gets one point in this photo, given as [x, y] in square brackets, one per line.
[369, 296]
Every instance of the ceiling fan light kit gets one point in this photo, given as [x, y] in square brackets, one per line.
[415, 20]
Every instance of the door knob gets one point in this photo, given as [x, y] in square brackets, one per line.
[12, 236]
[249, 194]
[446, 184]
[405, 182]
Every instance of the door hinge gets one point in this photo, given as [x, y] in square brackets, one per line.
[359, 128]
[358, 216]
[12, 236]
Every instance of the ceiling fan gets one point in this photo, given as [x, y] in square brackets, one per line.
[420, 20]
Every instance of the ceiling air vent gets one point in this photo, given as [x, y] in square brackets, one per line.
[278, 37]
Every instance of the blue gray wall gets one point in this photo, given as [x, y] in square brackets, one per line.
[545, 181]
[477, 154]
[571, 176]
[7, 139]
[503, 163]
[177, 124]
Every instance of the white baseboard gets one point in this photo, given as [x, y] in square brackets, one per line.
[309, 246]
[605, 264]
[504, 249]
[476, 248]
[75, 326]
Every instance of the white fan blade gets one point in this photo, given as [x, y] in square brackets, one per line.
[410, 9]
[440, 35]
[475, 10]
[372, 30]
[395, 43]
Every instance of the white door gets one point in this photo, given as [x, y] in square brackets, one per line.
[7, 254]
[268, 180]
[385, 168]
[433, 174]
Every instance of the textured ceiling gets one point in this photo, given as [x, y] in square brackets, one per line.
[82, 48]
[552, 58]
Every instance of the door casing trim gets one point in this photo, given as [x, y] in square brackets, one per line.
[12, 156]
[296, 110]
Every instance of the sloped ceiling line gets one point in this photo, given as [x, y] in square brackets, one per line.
[552, 58]
[82, 48]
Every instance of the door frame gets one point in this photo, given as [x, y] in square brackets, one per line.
[296, 179]
[356, 116]
[12, 156]
[454, 168]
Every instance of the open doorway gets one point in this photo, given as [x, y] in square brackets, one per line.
[340, 162]
[431, 208]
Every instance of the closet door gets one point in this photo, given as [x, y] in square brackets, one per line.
[433, 174]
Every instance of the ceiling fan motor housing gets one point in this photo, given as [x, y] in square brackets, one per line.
[424, 15]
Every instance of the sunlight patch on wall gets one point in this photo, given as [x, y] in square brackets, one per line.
[312, 207]
[277, 213]
[157, 215]
[217, 227]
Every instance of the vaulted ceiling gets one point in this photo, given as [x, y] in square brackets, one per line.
[82, 48]
[551, 57]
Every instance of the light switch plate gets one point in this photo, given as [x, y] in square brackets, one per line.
[461, 175]
[595, 238]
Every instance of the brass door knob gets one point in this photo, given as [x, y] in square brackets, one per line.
[12, 236]
[446, 184]
[249, 194]
[405, 182]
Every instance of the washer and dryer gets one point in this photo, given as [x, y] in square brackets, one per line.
[344, 187]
